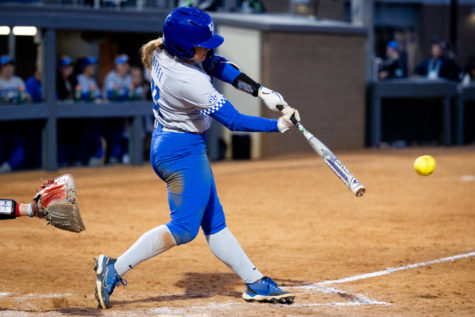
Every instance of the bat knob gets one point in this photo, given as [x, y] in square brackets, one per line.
[360, 192]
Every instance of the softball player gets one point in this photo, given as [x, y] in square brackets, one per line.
[118, 81]
[184, 103]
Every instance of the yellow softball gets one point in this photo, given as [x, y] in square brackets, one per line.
[424, 165]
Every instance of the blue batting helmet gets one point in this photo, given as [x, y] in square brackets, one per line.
[185, 28]
[393, 44]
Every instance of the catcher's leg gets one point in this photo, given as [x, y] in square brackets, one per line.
[10, 209]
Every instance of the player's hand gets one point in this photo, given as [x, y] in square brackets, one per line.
[271, 98]
[284, 122]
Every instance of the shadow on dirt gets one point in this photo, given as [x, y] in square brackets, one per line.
[197, 285]
[80, 311]
[205, 285]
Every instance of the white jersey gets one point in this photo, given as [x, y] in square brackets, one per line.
[183, 94]
[87, 84]
[114, 81]
[9, 89]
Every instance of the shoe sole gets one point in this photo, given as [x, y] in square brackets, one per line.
[282, 299]
[98, 269]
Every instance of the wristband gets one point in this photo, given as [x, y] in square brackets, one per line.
[245, 83]
[7, 209]
[30, 211]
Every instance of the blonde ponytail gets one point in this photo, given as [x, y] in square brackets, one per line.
[147, 51]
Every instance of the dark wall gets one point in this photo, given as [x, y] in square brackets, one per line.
[276, 6]
[322, 75]
[435, 21]
[26, 53]
[466, 34]
[323, 9]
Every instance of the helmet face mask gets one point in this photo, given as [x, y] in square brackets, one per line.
[185, 28]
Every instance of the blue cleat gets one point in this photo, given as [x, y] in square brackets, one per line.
[107, 280]
[266, 290]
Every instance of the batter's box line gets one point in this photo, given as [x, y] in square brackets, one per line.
[361, 299]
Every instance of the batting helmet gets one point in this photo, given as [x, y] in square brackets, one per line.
[185, 28]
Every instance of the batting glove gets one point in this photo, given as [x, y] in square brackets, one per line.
[271, 98]
[284, 123]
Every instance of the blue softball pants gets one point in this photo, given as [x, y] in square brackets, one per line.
[180, 160]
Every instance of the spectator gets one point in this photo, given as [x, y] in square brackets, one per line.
[67, 128]
[31, 131]
[64, 79]
[86, 88]
[118, 82]
[437, 65]
[89, 147]
[469, 76]
[33, 86]
[140, 88]
[395, 66]
[117, 87]
[12, 88]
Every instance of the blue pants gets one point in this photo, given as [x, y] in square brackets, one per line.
[180, 160]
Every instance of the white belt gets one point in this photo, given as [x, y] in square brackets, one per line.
[172, 130]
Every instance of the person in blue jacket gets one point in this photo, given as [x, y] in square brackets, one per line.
[33, 86]
[181, 65]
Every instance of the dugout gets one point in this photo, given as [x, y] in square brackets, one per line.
[319, 67]
[317, 64]
[58, 27]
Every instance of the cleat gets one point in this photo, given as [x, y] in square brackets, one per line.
[266, 290]
[107, 280]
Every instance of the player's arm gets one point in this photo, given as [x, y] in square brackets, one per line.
[55, 201]
[226, 71]
[227, 115]
[10, 209]
[203, 95]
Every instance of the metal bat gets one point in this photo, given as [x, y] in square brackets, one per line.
[332, 161]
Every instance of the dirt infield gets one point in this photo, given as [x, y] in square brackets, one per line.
[293, 217]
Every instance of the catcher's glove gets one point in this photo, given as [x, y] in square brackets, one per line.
[56, 202]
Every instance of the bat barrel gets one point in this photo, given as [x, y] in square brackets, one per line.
[330, 159]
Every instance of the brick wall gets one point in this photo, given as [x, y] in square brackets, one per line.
[322, 75]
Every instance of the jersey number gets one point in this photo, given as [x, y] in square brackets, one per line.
[155, 92]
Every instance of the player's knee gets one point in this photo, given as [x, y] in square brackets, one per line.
[183, 233]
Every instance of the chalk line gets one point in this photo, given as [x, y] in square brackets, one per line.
[467, 178]
[27, 296]
[43, 296]
[389, 270]
[338, 304]
[358, 299]
[355, 300]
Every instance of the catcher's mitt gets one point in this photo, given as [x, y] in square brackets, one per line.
[56, 202]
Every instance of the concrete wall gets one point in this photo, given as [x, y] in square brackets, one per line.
[243, 47]
[322, 75]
